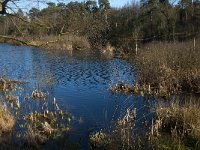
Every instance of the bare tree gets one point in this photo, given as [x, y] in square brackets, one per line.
[3, 5]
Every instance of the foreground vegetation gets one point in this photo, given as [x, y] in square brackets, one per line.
[175, 125]
[38, 125]
[7, 120]
[165, 70]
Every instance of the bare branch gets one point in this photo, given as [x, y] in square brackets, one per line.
[3, 5]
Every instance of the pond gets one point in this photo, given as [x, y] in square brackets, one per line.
[79, 80]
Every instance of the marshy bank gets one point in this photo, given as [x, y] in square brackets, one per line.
[61, 42]
[170, 67]
[68, 42]
[22, 126]
[165, 69]
[176, 125]
[168, 75]
[172, 124]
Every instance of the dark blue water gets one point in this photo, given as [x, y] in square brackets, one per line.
[80, 81]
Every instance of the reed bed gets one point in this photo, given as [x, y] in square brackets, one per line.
[176, 126]
[169, 67]
[126, 134]
[173, 124]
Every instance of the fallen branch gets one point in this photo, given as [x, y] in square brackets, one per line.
[14, 38]
[28, 43]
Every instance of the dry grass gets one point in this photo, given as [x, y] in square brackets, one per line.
[170, 67]
[45, 125]
[99, 140]
[179, 123]
[8, 85]
[176, 125]
[7, 121]
[124, 135]
[34, 138]
[65, 42]
[166, 69]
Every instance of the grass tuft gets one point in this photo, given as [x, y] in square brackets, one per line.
[179, 123]
[7, 121]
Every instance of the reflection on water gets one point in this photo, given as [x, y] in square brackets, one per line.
[80, 81]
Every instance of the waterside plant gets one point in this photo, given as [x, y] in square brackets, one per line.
[172, 124]
[164, 69]
[44, 125]
[7, 120]
[38, 125]
[169, 67]
[124, 135]
[176, 126]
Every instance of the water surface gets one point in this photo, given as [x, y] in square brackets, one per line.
[80, 81]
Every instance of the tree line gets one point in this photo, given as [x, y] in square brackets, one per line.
[100, 23]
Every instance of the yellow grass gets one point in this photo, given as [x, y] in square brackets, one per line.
[178, 122]
[7, 121]
[169, 67]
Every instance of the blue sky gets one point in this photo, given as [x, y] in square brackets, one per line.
[119, 3]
